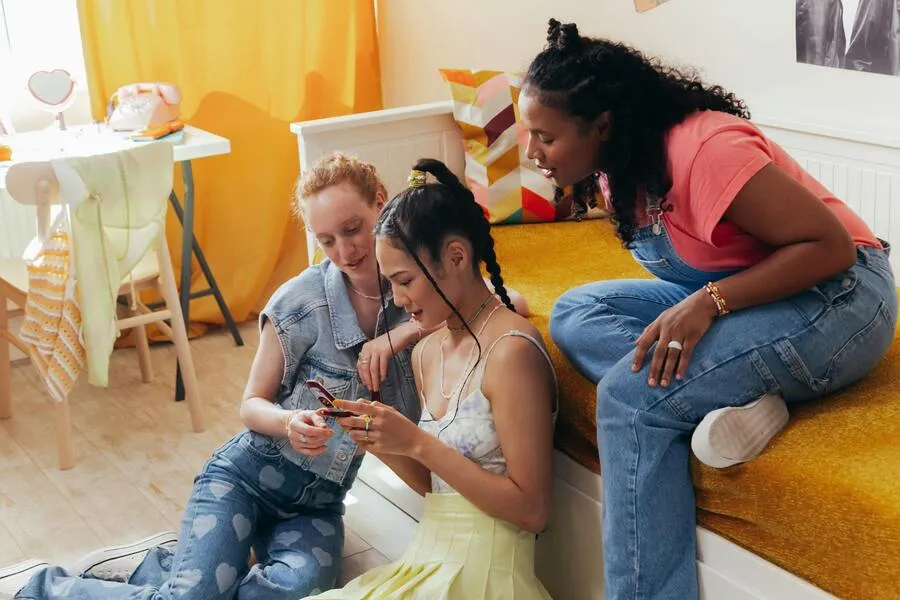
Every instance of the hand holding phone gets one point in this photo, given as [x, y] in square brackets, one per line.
[327, 400]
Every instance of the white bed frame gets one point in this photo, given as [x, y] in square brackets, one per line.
[866, 173]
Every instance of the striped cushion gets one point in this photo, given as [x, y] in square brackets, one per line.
[505, 182]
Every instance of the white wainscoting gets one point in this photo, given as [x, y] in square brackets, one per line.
[864, 173]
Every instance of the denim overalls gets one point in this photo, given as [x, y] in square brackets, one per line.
[802, 348]
[256, 490]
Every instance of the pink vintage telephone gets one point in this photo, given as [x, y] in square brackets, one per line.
[141, 106]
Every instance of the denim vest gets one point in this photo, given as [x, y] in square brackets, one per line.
[321, 339]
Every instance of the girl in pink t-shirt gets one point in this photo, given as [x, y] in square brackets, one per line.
[768, 291]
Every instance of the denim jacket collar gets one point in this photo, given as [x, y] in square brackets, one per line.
[344, 322]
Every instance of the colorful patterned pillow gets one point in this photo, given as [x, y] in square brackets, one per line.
[505, 182]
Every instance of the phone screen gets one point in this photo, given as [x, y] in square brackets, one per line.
[327, 400]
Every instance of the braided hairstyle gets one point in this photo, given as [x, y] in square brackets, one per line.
[584, 77]
[422, 217]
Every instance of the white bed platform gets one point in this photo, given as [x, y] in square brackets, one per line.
[864, 172]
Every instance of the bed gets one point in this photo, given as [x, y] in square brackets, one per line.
[817, 516]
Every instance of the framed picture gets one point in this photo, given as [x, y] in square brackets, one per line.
[645, 5]
[859, 35]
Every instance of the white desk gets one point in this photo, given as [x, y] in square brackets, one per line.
[87, 140]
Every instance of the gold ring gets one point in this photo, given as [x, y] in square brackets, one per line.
[367, 420]
[367, 434]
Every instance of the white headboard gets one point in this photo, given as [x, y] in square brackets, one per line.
[864, 172]
[392, 139]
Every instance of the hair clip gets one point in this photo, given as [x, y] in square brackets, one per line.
[416, 179]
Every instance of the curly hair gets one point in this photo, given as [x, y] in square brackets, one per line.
[584, 77]
[336, 169]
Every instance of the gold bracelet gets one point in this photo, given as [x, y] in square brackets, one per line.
[287, 422]
[721, 306]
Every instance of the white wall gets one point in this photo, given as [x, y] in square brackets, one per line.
[27, 115]
[745, 45]
[43, 35]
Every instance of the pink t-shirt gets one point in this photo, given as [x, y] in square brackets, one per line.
[711, 156]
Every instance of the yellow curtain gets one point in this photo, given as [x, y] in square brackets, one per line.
[246, 70]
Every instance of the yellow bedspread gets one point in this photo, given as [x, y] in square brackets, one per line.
[823, 502]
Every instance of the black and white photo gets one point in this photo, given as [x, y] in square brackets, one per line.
[859, 35]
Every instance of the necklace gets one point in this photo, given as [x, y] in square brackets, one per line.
[457, 389]
[360, 294]
[471, 319]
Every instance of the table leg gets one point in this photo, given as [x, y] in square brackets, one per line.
[191, 247]
[187, 246]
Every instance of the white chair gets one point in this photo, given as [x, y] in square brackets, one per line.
[37, 184]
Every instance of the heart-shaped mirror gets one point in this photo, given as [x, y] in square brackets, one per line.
[52, 88]
[54, 91]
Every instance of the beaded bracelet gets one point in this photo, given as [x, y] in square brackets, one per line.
[718, 298]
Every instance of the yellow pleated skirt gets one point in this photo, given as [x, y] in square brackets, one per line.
[457, 553]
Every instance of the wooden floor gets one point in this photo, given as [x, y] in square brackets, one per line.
[136, 458]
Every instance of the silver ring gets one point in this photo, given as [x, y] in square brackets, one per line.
[302, 438]
[676, 345]
[363, 359]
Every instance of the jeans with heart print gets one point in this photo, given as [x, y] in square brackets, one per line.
[247, 496]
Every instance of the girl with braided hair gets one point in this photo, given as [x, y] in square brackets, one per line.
[768, 289]
[482, 451]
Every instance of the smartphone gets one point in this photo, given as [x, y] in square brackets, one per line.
[327, 400]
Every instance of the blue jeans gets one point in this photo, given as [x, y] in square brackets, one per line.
[247, 495]
[802, 348]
